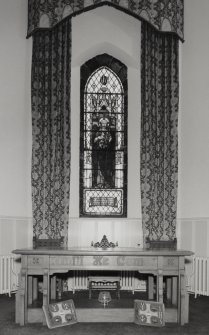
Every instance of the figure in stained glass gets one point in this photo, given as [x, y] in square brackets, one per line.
[103, 151]
[103, 137]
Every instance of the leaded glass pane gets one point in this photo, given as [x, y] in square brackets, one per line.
[103, 130]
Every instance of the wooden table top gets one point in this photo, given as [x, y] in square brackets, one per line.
[105, 252]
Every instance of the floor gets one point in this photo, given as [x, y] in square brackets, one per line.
[198, 321]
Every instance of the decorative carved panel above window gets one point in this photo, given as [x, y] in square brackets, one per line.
[103, 145]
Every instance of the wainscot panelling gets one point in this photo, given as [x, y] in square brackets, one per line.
[15, 232]
[193, 234]
[127, 232]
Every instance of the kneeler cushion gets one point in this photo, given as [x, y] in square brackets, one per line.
[149, 313]
[60, 314]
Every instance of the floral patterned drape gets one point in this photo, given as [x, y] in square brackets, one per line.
[164, 15]
[159, 142]
[51, 74]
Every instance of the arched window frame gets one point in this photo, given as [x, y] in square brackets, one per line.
[119, 70]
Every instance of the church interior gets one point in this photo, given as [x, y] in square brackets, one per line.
[104, 156]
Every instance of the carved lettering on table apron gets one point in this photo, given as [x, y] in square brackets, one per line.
[100, 260]
[79, 261]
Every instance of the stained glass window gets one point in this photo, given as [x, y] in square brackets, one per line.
[103, 145]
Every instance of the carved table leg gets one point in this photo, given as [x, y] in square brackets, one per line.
[45, 290]
[35, 288]
[46, 287]
[30, 290]
[160, 286]
[184, 301]
[21, 302]
[150, 288]
[53, 287]
[169, 290]
[174, 291]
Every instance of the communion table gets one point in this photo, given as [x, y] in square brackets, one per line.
[47, 262]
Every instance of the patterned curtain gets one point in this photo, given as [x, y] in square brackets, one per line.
[159, 141]
[164, 15]
[51, 74]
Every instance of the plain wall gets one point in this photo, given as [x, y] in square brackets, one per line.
[15, 122]
[193, 198]
[194, 112]
[193, 203]
[15, 127]
[107, 30]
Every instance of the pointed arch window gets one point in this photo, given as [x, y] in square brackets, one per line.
[103, 164]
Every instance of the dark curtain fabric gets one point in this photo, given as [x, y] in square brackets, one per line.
[51, 75]
[164, 15]
[159, 138]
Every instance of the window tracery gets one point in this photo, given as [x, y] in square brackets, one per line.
[103, 145]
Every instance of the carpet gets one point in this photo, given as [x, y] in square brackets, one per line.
[198, 325]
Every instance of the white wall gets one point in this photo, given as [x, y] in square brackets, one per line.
[193, 209]
[194, 114]
[107, 30]
[15, 233]
[14, 109]
[15, 129]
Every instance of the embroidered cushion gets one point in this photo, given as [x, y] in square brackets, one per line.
[60, 314]
[149, 313]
